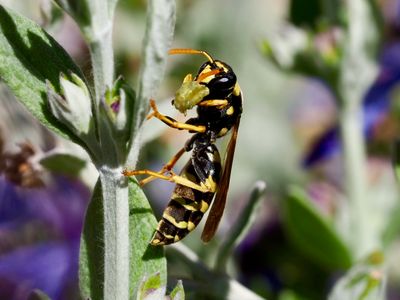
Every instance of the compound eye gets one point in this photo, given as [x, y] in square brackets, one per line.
[225, 81]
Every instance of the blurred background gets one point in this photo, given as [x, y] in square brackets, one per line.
[288, 136]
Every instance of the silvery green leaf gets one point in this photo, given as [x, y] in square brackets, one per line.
[310, 54]
[242, 225]
[151, 288]
[219, 286]
[95, 19]
[63, 163]
[51, 13]
[285, 46]
[145, 259]
[364, 281]
[178, 293]
[312, 233]
[79, 10]
[73, 108]
[116, 108]
[29, 57]
[123, 120]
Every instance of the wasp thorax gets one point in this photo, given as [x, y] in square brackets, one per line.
[189, 94]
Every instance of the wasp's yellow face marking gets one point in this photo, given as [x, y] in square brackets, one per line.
[206, 70]
[222, 66]
[213, 71]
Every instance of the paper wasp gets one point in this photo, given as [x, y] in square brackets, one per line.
[218, 97]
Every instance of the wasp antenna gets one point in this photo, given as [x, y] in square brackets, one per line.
[191, 51]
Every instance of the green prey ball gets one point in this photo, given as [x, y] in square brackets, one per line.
[189, 94]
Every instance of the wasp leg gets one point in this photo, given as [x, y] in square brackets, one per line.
[173, 178]
[173, 123]
[166, 168]
[155, 174]
[214, 102]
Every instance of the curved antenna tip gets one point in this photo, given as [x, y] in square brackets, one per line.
[190, 51]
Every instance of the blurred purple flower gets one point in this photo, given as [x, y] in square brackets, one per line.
[375, 107]
[39, 238]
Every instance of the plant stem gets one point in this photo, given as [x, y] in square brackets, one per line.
[114, 185]
[116, 234]
[354, 156]
[358, 70]
[241, 226]
[102, 56]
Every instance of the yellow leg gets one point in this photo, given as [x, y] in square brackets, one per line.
[171, 122]
[166, 168]
[173, 178]
[145, 172]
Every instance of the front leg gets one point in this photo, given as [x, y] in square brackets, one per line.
[172, 122]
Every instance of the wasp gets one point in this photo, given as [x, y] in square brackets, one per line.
[218, 97]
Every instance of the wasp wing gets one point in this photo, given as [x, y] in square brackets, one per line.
[218, 206]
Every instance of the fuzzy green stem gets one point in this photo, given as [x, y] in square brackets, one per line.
[102, 56]
[355, 177]
[358, 70]
[116, 234]
[241, 226]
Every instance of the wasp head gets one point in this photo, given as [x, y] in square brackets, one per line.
[218, 77]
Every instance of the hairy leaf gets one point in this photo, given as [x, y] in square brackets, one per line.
[91, 260]
[178, 293]
[145, 258]
[63, 163]
[364, 281]
[151, 288]
[29, 57]
[312, 233]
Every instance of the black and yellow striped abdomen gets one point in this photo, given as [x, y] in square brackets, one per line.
[187, 206]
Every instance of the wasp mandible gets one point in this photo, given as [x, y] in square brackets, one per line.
[218, 97]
